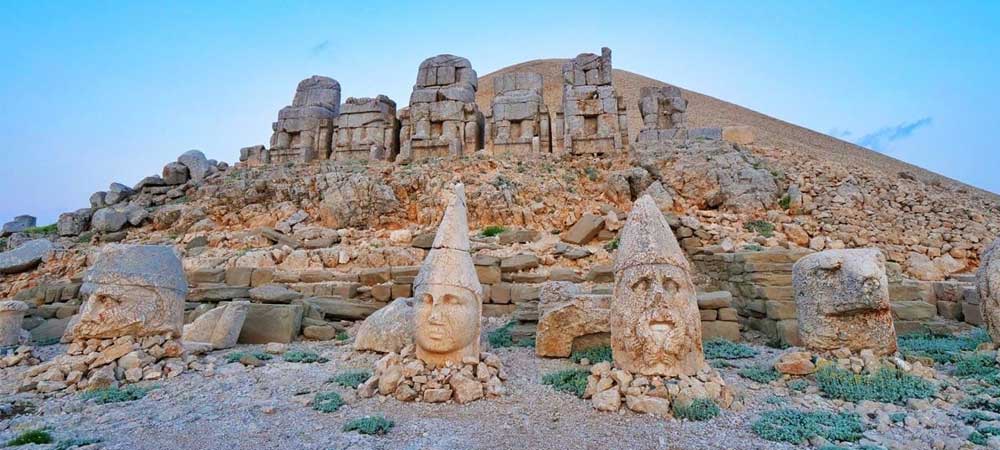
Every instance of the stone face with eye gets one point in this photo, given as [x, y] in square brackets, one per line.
[842, 301]
[447, 322]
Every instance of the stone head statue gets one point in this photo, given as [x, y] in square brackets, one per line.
[447, 294]
[988, 285]
[136, 290]
[842, 300]
[655, 323]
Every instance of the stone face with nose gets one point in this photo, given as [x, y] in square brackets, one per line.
[842, 300]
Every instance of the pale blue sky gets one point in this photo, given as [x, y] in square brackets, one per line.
[95, 92]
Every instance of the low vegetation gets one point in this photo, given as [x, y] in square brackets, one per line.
[797, 427]
[760, 374]
[573, 381]
[941, 348]
[351, 378]
[761, 227]
[371, 425]
[594, 355]
[982, 366]
[885, 385]
[699, 409]
[327, 402]
[493, 230]
[303, 357]
[236, 356]
[67, 444]
[342, 336]
[501, 337]
[115, 395]
[722, 349]
[798, 385]
[36, 436]
[43, 230]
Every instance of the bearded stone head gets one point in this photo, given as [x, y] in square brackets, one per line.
[655, 323]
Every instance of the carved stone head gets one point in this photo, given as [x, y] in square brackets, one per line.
[447, 293]
[842, 300]
[655, 323]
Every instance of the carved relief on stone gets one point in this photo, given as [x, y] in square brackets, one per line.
[518, 120]
[447, 293]
[442, 118]
[655, 323]
[304, 130]
[842, 301]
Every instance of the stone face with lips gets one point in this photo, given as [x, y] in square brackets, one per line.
[447, 293]
[842, 301]
[655, 323]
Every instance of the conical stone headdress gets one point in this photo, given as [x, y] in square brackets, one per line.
[449, 262]
[646, 239]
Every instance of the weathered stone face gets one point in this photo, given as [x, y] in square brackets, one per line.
[988, 285]
[593, 117]
[518, 121]
[655, 323]
[842, 298]
[443, 118]
[304, 130]
[447, 293]
[135, 290]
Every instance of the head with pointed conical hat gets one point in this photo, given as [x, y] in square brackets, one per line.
[655, 323]
[447, 292]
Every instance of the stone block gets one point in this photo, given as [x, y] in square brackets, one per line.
[729, 331]
[781, 310]
[584, 230]
[714, 300]
[913, 310]
[972, 314]
[239, 276]
[950, 310]
[267, 323]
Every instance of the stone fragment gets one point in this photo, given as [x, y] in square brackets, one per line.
[132, 290]
[274, 293]
[25, 257]
[197, 164]
[608, 400]
[566, 314]
[219, 327]
[465, 389]
[74, 223]
[842, 299]
[266, 323]
[387, 330]
[584, 230]
[649, 405]
[108, 220]
[319, 332]
[655, 323]
[795, 363]
[175, 173]
[11, 317]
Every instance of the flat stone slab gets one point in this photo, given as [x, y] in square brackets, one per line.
[25, 257]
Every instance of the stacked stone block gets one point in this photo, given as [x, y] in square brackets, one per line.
[593, 118]
[664, 116]
[304, 130]
[518, 120]
[367, 128]
[442, 118]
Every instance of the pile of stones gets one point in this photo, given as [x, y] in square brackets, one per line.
[18, 356]
[405, 377]
[608, 388]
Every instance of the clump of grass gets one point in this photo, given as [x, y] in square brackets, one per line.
[370, 425]
[761, 227]
[570, 380]
[342, 336]
[235, 356]
[790, 425]
[798, 385]
[697, 410]
[492, 230]
[718, 348]
[897, 417]
[327, 402]
[753, 248]
[612, 245]
[44, 230]
[303, 357]
[501, 337]
[760, 374]
[591, 173]
[886, 385]
[775, 400]
[67, 444]
[593, 354]
[785, 202]
[942, 348]
[981, 404]
[979, 365]
[352, 379]
[36, 436]
[115, 395]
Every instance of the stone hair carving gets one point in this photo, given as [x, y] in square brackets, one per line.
[447, 293]
[842, 300]
[655, 323]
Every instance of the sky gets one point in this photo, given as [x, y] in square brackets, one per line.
[99, 92]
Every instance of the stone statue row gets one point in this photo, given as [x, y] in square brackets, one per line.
[443, 117]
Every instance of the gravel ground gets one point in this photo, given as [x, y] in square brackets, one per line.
[267, 408]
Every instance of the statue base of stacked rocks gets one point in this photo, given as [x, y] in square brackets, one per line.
[406, 378]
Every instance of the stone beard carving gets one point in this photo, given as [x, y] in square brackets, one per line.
[655, 323]
[447, 293]
[988, 284]
[842, 300]
[136, 290]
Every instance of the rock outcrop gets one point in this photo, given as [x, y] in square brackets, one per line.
[25, 257]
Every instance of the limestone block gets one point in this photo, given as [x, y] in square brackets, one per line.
[267, 323]
[11, 317]
[387, 330]
[566, 314]
[220, 326]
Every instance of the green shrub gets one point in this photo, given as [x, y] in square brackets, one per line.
[45, 230]
[235, 356]
[760, 374]
[45, 342]
[978, 438]
[327, 402]
[698, 410]
[761, 227]
[593, 354]
[67, 444]
[790, 425]
[115, 395]
[886, 385]
[941, 348]
[982, 404]
[370, 425]
[785, 201]
[570, 380]
[303, 357]
[501, 337]
[352, 379]
[775, 400]
[612, 245]
[492, 230]
[897, 417]
[753, 248]
[342, 336]
[591, 173]
[718, 348]
[36, 436]
[979, 365]
[798, 385]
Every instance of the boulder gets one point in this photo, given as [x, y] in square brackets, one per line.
[219, 327]
[566, 314]
[131, 290]
[97, 200]
[196, 163]
[74, 223]
[19, 224]
[319, 332]
[108, 220]
[584, 230]
[175, 173]
[117, 193]
[267, 323]
[387, 330]
[25, 257]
